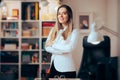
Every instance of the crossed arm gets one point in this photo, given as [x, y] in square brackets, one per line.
[62, 48]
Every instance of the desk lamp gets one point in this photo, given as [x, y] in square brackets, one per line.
[44, 3]
[2, 3]
[95, 37]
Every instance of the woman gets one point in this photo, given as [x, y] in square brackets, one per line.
[61, 43]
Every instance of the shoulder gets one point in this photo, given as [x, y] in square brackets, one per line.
[75, 31]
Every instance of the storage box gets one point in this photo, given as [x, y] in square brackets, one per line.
[10, 46]
[24, 46]
[26, 33]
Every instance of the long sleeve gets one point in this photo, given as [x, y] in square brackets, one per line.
[61, 51]
[67, 45]
[50, 49]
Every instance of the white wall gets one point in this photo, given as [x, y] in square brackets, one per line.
[112, 23]
[119, 30]
[104, 9]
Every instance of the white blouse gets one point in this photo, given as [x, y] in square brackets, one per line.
[61, 50]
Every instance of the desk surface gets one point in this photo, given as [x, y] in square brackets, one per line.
[60, 79]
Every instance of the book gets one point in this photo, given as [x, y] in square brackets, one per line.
[36, 10]
[45, 31]
[28, 12]
[48, 24]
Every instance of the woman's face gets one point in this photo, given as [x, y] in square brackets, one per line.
[62, 16]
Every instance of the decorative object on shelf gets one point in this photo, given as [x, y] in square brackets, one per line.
[15, 13]
[84, 19]
[35, 58]
[30, 47]
[36, 46]
[4, 11]
[24, 46]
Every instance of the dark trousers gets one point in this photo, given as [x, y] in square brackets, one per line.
[56, 74]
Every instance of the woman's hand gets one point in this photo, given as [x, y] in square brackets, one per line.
[49, 43]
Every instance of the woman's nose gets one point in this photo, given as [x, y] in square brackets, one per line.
[61, 15]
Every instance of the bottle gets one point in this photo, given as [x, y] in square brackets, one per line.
[4, 13]
[36, 46]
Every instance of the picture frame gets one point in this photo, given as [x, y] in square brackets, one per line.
[84, 20]
[15, 12]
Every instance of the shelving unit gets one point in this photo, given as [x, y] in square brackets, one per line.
[9, 43]
[22, 37]
[46, 26]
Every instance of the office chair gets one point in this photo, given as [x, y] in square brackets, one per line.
[92, 53]
[107, 68]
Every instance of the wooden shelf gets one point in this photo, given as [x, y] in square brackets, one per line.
[23, 23]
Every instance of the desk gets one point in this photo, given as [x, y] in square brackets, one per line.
[59, 79]
[64, 79]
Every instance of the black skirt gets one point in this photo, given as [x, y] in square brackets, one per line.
[56, 74]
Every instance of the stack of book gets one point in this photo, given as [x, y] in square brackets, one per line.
[46, 27]
[30, 11]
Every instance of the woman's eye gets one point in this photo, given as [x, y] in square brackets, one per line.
[64, 13]
[59, 13]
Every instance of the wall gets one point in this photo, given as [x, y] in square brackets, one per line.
[112, 23]
[118, 40]
[106, 10]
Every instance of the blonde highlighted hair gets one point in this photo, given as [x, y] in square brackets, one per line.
[59, 26]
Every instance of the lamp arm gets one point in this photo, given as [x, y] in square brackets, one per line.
[2, 3]
[110, 31]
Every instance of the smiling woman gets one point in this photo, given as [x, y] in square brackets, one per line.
[61, 43]
[63, 16]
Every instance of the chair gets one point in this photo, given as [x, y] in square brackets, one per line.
[92, 53]
[107, 68]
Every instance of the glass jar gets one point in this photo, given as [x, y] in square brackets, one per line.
[4, 12]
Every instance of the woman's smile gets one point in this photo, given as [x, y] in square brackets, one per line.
[62, 15]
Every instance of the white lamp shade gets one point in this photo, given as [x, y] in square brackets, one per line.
[2, 4]
[94, 37]
[44, 3]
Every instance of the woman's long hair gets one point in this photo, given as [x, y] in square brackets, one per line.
[59, 26]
